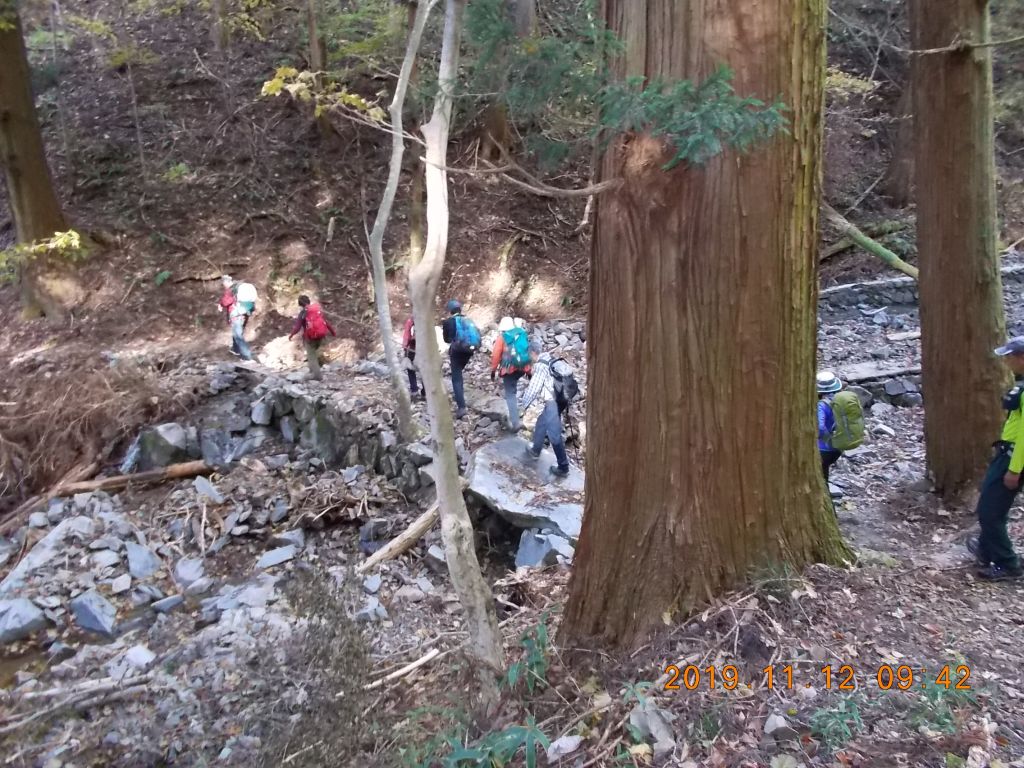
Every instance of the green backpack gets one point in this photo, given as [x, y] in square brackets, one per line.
[849, 415]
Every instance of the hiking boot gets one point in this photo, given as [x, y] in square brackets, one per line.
[559, 471]
[531, 454]
[995, 572]
[460, 413]
[974, 547]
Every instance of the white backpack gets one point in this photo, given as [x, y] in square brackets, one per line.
[247, 292]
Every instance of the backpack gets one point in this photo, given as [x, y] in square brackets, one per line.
[316, 327]
[467, 335]
[848, 432]
[246, 295]
[567, 388]
[517, 349]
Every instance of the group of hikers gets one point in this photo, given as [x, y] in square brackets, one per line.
[514, 357]
[841, 428]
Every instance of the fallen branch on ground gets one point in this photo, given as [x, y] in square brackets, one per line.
[403, 541]
[871, 246]
[845, 243]
[423, 660]
[16, 518]
[117, 482]
[905, 336]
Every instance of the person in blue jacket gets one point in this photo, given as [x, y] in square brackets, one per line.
[828, 384]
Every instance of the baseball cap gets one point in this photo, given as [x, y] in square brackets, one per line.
[1014, 346]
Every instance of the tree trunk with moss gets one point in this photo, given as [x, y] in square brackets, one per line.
[485, 643]
[702, 461]
[960, 285]
[48, 287]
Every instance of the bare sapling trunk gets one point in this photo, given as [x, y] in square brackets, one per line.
[485, 643]
[962, 316]
[48, 287]
[219, 26]
[406, 423]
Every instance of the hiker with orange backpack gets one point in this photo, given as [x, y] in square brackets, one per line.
[510, 359]
[314, 329]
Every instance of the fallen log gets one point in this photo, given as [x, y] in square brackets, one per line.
[403, 541]
[873, 247]
[117, 482]
[877, 231]
[905, 336]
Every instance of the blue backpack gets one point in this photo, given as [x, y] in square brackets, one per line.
[517, 348]
[467, 335]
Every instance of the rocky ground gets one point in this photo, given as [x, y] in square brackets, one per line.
[215, 619]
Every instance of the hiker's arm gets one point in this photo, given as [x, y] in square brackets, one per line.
[406, 335]
[497, 352]
[296, 327]
[823, 431]
[330, 328]
[535, 387]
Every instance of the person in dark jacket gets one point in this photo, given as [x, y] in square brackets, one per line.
[314, 327]
[459, 359]
[409, 347]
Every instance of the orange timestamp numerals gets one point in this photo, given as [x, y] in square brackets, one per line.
[843, 678]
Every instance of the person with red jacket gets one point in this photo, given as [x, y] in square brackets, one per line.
[314, 327]
[409, 347]
[510, 360]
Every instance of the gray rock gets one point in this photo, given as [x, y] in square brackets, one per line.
[38, 520]
[881, 318]
[140, 657]
[49, 547]
[188, 570]
[491, 407]
[277, 461]
[206, 489]
[215, 446]
[371, 584]
[144, 594]
[121, 584]
[290, 429]
[835, 491]
[107, 542]
[198, 587]
[351, 474]
[370, 368]
[304, 409]
[881, 409]
[162, 445]
[522, 491]
[56, 511]
[372, 611]
[279, 511]
[373, 530]
[409, 594]
[19, 618]
[883, 429]
[276, 557]
[262, 412]
[541, 549]
[94, 613]
[388, 439]
[435, 559]
[142, 563]
[168, 604]
[779, 728]
[81, 501]
[895, 387]
[105, 559]
[295, 537]
[909, 400]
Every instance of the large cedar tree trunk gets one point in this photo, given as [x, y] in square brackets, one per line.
[702, 461]
[34, 206]
[898, 184]
[960, 286]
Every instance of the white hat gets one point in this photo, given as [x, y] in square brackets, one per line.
[226, 279]
[506, 324]
[828, 382]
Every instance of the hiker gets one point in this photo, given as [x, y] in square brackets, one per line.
[510, 359]
[840, 420]
[993, 549]
[463, 338]
[409, 347]
[238, 302]
[314, 327]
[554, 383]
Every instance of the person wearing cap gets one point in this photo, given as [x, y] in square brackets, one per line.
[502, 365]
[549, 423]
[236, 317]
[828, 384]
[458, 358]
[993, 549]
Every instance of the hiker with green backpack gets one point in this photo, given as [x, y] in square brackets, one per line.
[510, 359]
[840, 420]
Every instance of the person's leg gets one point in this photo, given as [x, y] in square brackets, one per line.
[994, 504]
[313, 358]
[510, 382]
[540, 432]
[828, 458]
[553, 426]
[458, 385]
[238, 333]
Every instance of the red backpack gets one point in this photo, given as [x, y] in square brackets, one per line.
[316, 327]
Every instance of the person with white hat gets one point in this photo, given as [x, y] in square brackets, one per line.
[510, 359]
[993, 549]
[828, 385]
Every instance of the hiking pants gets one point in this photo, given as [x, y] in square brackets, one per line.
[510, 381]
[414, 387]
[458, 361]
[549, 425]
[313, 356]
[828, 458]
[238, 337]
[994, 504]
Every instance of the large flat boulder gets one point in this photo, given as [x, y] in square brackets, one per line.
[523, 491]
[162, 446]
